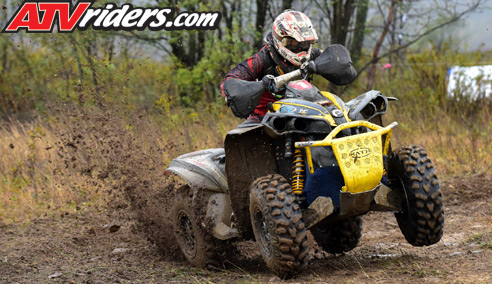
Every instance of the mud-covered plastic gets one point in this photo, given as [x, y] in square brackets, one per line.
[367, 106]
[203, 169]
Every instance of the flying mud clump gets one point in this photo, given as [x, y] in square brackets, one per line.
[126, 164]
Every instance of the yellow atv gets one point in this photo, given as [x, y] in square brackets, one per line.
[313, 163]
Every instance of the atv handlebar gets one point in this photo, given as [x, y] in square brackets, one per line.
[334, 64]
[282, 80]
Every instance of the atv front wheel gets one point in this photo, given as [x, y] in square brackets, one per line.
[198, 246]
[278, 226]
[422, 218]
[339, 237]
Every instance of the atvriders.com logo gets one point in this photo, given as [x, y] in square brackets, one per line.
[42, 16]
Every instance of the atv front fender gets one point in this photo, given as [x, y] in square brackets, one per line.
[367, 106]
[249, 155]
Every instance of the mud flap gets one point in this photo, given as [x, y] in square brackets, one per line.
[218, 217]
[249, 155]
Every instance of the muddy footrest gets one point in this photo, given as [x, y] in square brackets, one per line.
[355, 204]
[321, 208]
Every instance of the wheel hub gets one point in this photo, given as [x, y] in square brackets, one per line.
[262, 227]
[187, 234]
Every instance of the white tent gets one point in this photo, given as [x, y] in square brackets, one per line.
[473, 81]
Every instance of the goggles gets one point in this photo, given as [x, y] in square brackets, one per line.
[295, 46]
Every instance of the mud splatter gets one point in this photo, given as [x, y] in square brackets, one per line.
[126, 164]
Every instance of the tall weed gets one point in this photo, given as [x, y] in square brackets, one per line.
[78, 158]
[455, 131]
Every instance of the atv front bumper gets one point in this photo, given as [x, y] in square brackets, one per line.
[360, 156]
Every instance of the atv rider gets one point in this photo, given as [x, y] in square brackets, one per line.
[286, 48]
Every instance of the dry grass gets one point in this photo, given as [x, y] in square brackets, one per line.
[82, 158]
[457, 145]
[78, 158]
[31, 174]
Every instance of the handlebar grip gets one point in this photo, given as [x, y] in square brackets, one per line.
[282, 80]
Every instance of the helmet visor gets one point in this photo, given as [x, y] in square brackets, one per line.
[295, 46]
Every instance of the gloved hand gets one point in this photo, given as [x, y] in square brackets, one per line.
[268, 83]
[311, 67]
[270, 86]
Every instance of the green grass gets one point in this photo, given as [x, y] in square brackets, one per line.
[484, 240]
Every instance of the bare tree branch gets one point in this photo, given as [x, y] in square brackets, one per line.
[325, 11]
[455, 18]
[379, 43]
[146, 39]
[308, 5]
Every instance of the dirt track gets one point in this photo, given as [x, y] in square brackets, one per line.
[130, 241]
[110, 247]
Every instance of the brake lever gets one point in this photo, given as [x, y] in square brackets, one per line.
[307, 69]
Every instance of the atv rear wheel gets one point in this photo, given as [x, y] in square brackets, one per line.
[422, 218]
[278, 226]
[198, 246]
[339, 237]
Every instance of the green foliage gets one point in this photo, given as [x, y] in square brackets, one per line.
[79, 67]
[92, 68]
[202, 81]
[425, 80]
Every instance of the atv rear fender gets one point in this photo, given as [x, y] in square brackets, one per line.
[202, 169]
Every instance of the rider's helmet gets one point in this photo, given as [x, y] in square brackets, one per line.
[293, 36]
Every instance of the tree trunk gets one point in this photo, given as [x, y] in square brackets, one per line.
[339, 25]
[286, 4]
[4, 58]
[94, 75]
[375, 54]
[261, 11]
[228, 16]
[192, 49]
[75, 44]
[201, 46]
[359, 32]
[177, 46]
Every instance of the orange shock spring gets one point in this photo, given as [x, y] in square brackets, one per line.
[298, 172]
